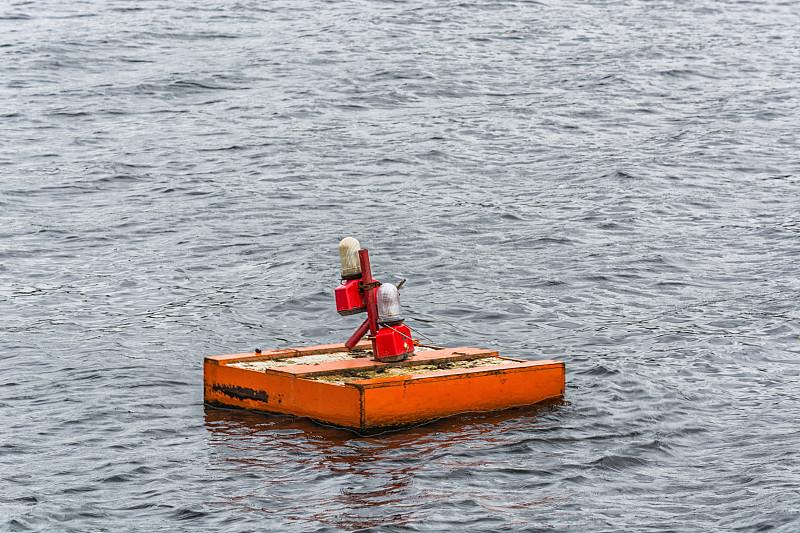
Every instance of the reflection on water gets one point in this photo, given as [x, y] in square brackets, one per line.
[394, 478]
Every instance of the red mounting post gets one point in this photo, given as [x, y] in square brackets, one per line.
[369, 295]
[369, 285]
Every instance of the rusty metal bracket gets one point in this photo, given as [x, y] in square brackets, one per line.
[371, 285]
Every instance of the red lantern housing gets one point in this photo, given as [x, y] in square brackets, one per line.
[349, 298]
[393, 343]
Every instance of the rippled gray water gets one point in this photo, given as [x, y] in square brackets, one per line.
[612, 184]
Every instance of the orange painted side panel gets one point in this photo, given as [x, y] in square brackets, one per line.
[416, 399]
[278, 392]
[329, 402]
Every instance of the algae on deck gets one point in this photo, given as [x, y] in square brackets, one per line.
[405, 370]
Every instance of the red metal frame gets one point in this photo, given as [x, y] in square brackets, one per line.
[371, 323]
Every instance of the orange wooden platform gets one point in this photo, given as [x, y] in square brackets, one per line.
[333, 391]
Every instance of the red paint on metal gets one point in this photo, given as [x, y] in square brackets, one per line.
[360, 332]
[349, 299]
[369, 295]
[392, 341]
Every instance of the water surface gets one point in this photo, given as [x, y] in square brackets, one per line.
[612, 184]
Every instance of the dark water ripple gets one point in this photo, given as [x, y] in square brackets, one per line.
[614, 184]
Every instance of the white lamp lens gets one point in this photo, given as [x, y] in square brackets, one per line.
[348, 254]
[388, 304]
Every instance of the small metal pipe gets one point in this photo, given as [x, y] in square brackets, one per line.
[355, 337]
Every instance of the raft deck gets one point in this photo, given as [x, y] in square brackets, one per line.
[331, 385]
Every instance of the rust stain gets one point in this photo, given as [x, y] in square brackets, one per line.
[241, 393]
